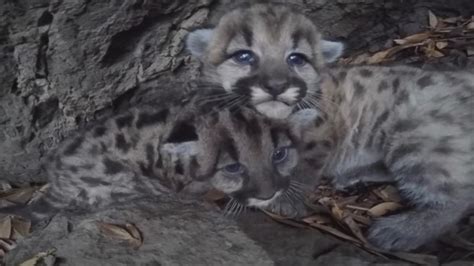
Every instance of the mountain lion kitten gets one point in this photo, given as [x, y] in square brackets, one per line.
[387, 124]
[184, 147]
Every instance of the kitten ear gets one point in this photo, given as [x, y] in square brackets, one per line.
[331, 50]
[198, 41]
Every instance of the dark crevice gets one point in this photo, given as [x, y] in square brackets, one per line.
[14, 88]
[125, 42]
[44, 112]
[45, 19]
[123, 101]
[41, 62]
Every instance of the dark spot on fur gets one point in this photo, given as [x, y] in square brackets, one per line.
[73, 169]
[73, 146]
[395, 85]
[402, 97]
[358, 89]
[124, 121]
[342, 75]
[406, 125]
[424, 82]
[112, 167]
[383, 86]
[310, 145]
[247, 34]
[441, 116]
[93, 181]
[366, 73]
[148, 119]
[326, 144]
[443, 149]
[314, 163]
[99, 131]
[412, 172]
[378, 122]
[318, 121]
[182, 132]
[404, 150]
[121, 143]
[178, 168]
[254, 129]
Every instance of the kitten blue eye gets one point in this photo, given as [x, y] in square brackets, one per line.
[235, 168]
[297, 59]
[279, 155]
[244, 57]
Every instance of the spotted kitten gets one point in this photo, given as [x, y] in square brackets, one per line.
[185, 147]
[390, 124]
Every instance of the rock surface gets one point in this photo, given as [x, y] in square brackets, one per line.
[176, 232]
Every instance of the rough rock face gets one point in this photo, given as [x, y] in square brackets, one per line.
[183, 233]
[64, 63]
[174, 233]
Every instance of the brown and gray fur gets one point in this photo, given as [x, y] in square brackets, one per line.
[373, 124]
[184, 147]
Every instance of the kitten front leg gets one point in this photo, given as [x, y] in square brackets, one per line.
[412, 229]
[363, 175]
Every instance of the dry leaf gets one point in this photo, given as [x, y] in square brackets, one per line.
[320, 219]
[355, 229]
[451, 20]
[470, 26]
[415, 38]
[130, 233]
[384, 208]
[19, 195]
[114, 231]
[137, 236]
[47, 258]
[21, 227]
[335, 232]
[6, 227]
[441, 45]
[433, 20]
[388, 193]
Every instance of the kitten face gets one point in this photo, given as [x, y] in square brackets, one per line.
[252, 158]
[268, 54]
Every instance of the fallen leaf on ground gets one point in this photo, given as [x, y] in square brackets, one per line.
[129, 232]
[21, 227]
[384, 208]
[6, 227]
[432, 19]
[47, 258]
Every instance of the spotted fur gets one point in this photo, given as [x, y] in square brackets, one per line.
[185, 147]
[408, 126]
[387, 124]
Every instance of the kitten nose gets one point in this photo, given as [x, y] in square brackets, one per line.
[276, 86]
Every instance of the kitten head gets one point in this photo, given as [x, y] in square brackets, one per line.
[269, 54]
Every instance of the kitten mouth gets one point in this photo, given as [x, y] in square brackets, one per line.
[274, 109]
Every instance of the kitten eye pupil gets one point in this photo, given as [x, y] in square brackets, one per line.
[244, 57]
[297, 59]
[279, 155]
[233, 168]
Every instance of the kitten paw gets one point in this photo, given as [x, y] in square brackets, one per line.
[396, 233]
